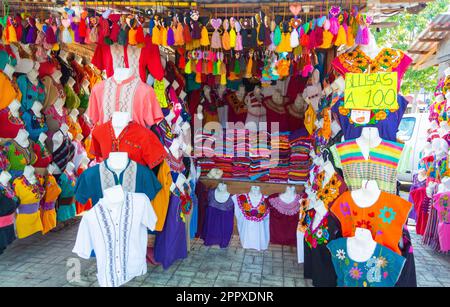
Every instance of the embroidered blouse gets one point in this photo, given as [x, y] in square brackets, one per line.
[387, 60]
[30, 92]
[380, 166]
[383, 268]
[118, 240]
[134, 178]
[283, 219]
[54, 120]
[141, 144]
[131, 95]
[9, 124]
[34, 125]
[252, 213]
[385, 218]
[19, 156]
[9, 91]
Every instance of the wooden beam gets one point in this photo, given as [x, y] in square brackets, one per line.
[417, 52]
[430, 40]
[423, 59]
[240, 187]
[440, 29]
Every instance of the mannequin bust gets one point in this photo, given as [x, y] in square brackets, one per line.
[289, 195]
[9, 70]
[59, 104]
[255, 195]
[200, 112]
[85, 85]
[119, 121]
[5, 177]
[422, 175]
[362, 246]
[64, 128]
[28, 173]
[56, 76]
[37, 108]
[118, 161]
[115, 196]
[122, 74]
[70, 168]
[32, 76]
[57, 139]
[321, 211]
[42, 138]
[85, 162]
[181, 179]
[22, 138]
[74, 115]
[221, 194]
[338, 85]
[51, 169]
[329, 172]
[78, 59]
[370, 138]
[14, 107]
[372, 49]
[367, 195]
[71, 82]
[63, 55]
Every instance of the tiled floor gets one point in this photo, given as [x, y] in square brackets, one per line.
[48, 260]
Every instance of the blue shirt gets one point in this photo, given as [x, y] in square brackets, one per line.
[30, 92]
[135, 178]
[381, 270]
[34, 125]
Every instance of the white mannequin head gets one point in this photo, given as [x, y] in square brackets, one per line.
[14, 107]
[5, 177]
[70, 167]
[32, 76]
[22, 138]
[42, 138]
[57, 139]
[37, 108]
[51, 169]
[56, 76]
[9, 71]
[255, 190]
[71, 82]
[222, 187]
[29, 174]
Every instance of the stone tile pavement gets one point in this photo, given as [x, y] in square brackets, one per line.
[45, 260]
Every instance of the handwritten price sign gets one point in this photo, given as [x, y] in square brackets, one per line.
[371, 91]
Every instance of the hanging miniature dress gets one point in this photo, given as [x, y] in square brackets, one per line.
[66, 203]
[216, 42]
[226, 44]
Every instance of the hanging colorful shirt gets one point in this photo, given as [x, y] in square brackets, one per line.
[380, 166]
[30, 92]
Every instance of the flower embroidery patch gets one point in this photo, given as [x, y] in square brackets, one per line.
[387, 214]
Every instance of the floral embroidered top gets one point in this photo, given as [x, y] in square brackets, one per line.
[385, 218]
[253, 213]
[381, 270]
[331, 190]
[19, 156]
[34, 125]
[30, 92]
[387, 60]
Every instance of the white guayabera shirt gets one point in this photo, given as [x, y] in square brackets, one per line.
[118, 236]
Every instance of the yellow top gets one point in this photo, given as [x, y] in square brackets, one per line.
[161, 201]
[74, 127]
[8, 91]
[28, 194]
[48, 217]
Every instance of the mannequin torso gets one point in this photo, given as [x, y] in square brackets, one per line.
[118, 161]
[289, 195]
[28, 173]
[22, 138]
[115, 197]
[36, 108]
[367, 195]
[362, 246]
[255, 195]
[122, 74]
[369, 138]
[221, 194]
[14, 107]
[119, 121]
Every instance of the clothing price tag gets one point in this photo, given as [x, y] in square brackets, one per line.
[371, 91]
[360, 117]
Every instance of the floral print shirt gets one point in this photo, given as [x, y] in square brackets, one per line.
[382, 269]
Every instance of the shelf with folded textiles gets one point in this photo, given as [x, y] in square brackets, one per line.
[235, 186]
[83, 50]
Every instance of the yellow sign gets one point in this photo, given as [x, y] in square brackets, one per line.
[371, 91]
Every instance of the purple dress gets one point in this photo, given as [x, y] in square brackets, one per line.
[218, 226]
[387, 127]
[170, 243]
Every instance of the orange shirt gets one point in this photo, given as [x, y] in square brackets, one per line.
[385, 218]
[8, 91]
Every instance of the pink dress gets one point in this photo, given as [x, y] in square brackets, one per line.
[442, 205]
[131, 95]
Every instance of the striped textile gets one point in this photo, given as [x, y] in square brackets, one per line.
[381, 165]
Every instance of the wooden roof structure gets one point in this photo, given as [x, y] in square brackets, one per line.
[426, 47]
